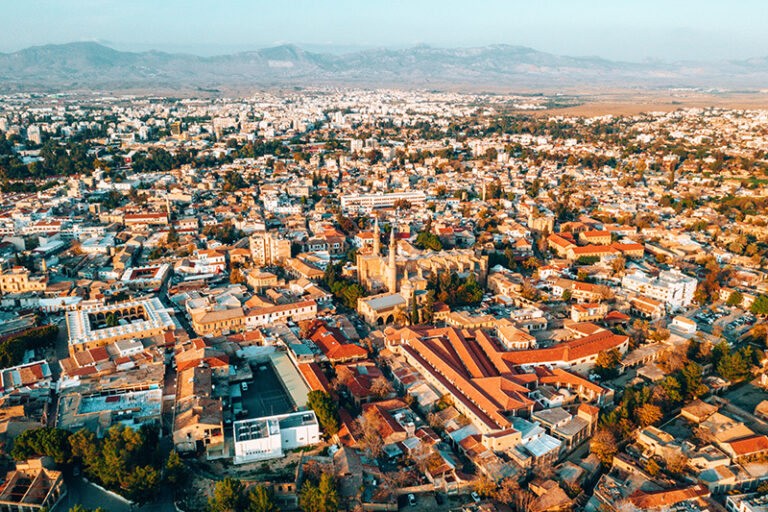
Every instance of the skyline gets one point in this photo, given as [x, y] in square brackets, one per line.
[688, 31]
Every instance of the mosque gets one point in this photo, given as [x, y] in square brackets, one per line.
[402, 276]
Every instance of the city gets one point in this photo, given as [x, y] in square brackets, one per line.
[321, 298]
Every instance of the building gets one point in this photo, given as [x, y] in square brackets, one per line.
[268, 437]
[588, 312]
[595, 237]
[295, 312]
[260, 280]
[31, 487]
[670, 287]
[146, 278]
[747, 503]
[268, 249]
[198, 423]
[96, 325]
[100, 409]
[368, 202]
[21, 280]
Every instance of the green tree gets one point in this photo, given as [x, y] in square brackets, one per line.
[325, 409]
[760, 305]
[227, 496]
[141, 484]
[414, 310]
[80, 508]
[692, 385]
[320, 497]
[175, 471]
[735, 298]
[45, 441]
[261, 499]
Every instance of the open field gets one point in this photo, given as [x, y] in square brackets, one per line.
[634, 102]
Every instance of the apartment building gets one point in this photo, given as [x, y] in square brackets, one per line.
[671, 287]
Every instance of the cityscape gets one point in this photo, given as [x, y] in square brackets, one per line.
[324, 293]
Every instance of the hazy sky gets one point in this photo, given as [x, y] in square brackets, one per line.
[616, 29]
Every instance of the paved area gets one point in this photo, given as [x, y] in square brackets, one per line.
[265, 395]
[747, 396]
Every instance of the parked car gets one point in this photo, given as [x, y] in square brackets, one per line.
[244, 385]
[411, 499]
[475, 497]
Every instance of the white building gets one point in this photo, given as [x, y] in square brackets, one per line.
[267, 437]
[747, 503]
[368, 202]
[671, 287]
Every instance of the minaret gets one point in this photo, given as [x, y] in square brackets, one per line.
[376, 238]
[392, 267]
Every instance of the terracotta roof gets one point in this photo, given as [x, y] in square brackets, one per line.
[658, 499]
[749, 445]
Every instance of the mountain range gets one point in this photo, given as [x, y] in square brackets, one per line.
[92, 66]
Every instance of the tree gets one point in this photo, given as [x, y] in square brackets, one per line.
[175, 471]
[677, 463]
[370, 427]
[381, 387]
[111, 320]
[320, 497]
[603, 445]
[607, 363]
[141, 484]
[261, 499]
[619, 265]
[124, 460]
[236, 276]
[427, 240]
[692, 385]
[648, 414]
[760, 305]
[325, 409]
[173, 236]
[485, 487]
[735, 298]
[652, 467]
[227, 496]
[329, 494]
[45, 441]
[414, 310]
[507, 490]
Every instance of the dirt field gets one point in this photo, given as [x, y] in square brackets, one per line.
[634, 102]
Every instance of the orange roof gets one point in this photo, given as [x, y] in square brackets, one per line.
[314, 377]
[567, 351]
[749, 445]
[658, 499]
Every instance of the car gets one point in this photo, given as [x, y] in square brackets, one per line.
[475, 497]
[411, 499]
[439, 498]
[244, 385]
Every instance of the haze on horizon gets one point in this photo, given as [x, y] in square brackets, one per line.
[652, 29]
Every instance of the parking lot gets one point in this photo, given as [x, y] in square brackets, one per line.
[732, 321]
[265, 395]
[746, 397]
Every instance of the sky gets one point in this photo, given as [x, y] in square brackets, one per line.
[631, 30]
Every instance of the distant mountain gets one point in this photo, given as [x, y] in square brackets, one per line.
[94, 66]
